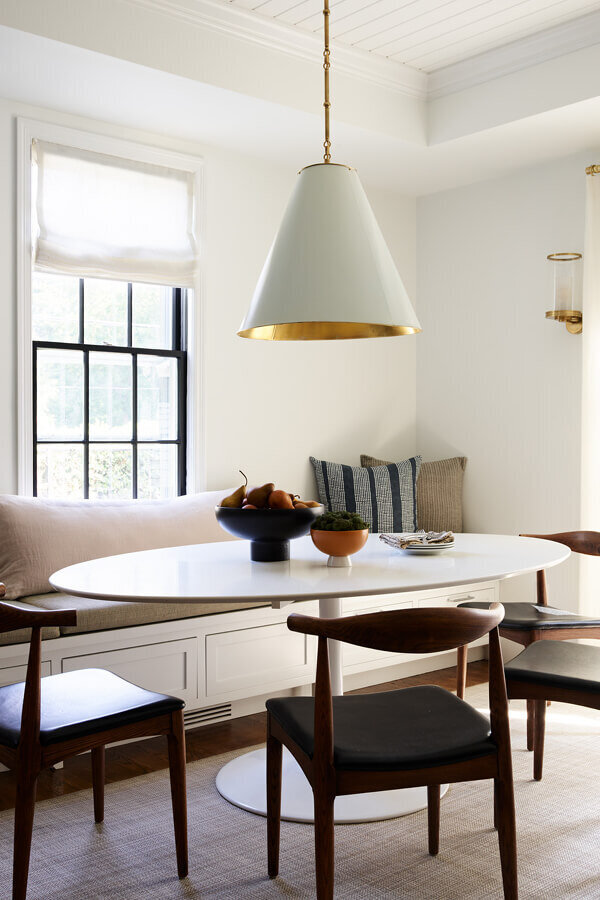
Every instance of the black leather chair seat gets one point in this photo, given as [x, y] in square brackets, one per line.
[77, 704]
[411, 728]
[557, 664]
[526, 615]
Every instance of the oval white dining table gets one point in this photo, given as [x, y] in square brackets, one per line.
[218, 572]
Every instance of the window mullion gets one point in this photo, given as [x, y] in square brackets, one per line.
[130, 315]
[86, 424]
[134, 424]
[176, 328]
[181, 424]
[34, 402]
[81, 312]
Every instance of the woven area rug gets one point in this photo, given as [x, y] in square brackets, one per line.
[132, 855]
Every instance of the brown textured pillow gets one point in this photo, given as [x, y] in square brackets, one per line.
[41, 536]
[439, 492]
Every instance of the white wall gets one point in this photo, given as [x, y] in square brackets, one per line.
[267, 406]
[496, 381]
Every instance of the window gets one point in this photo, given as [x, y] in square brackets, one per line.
[108, 247]
[109, 388]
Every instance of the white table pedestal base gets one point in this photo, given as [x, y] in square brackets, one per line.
[243, 783]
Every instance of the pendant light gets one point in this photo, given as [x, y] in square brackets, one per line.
[329, 274]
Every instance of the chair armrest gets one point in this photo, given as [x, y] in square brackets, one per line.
[13, 616]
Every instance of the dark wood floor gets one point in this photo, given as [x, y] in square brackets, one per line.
[140, 757]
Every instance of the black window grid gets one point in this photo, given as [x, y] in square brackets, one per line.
[178, 353]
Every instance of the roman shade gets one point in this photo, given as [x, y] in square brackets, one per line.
[104, 216]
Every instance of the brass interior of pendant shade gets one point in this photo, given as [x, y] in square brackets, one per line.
[324, 331]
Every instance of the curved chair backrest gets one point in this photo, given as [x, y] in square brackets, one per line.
[13, 617]
[587, 542]
[429, 630]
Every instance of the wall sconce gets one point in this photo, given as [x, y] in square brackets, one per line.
[567, 274]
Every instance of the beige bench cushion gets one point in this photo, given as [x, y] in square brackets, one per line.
[41, 536]
[101, 615]
[439, 492]
[22, 635]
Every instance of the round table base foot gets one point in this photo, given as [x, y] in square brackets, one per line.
[243, 783]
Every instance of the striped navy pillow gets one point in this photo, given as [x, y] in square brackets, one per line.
[385, 496]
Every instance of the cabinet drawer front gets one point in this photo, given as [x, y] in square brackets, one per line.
[12, 674]
[169, 668]
[354, 655]
[267, 657]
[354, 606]
[482, 595]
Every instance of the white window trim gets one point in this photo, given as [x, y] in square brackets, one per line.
[29, 130]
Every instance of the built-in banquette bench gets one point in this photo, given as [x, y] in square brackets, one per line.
[221, 659]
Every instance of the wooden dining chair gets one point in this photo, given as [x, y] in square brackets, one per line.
[524, 623]
[46, 720]
[553, 670]
[373, 742]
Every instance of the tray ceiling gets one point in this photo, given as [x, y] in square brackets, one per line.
[424, 34]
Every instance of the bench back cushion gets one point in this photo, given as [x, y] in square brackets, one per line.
[439, 492]
[37, 536]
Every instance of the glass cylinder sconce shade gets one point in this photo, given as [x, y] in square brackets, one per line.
[568, 289]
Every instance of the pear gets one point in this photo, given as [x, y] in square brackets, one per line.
[280, 500]
[300, 505]
[235, 500]
[311, 503]
[259, 496]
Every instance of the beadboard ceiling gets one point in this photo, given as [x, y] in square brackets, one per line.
[423, 34]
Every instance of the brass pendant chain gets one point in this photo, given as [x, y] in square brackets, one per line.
[326, 66]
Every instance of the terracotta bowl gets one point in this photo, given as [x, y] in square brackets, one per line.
[339, 544]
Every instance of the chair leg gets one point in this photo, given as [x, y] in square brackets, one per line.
[98, 779]
[176, 743]
[461, 671]
[538, 738]
[507, 835]
[24, 811]
[324, 844]
[274, 758]
[495, 805]
[433, 818]
[530, 723]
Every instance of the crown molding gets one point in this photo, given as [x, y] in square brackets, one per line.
[268, 33]
[576, 34]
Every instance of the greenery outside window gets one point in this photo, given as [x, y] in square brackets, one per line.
[109, 385]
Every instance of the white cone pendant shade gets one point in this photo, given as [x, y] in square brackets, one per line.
[329, 273]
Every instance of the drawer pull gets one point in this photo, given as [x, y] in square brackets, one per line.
[460, 599]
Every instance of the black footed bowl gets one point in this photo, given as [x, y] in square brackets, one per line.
[268, 530]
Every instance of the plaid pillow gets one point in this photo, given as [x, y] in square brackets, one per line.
[383, 495]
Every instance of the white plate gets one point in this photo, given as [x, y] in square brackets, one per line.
[427, 550]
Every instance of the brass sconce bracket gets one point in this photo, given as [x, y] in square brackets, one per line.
[572, 318]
